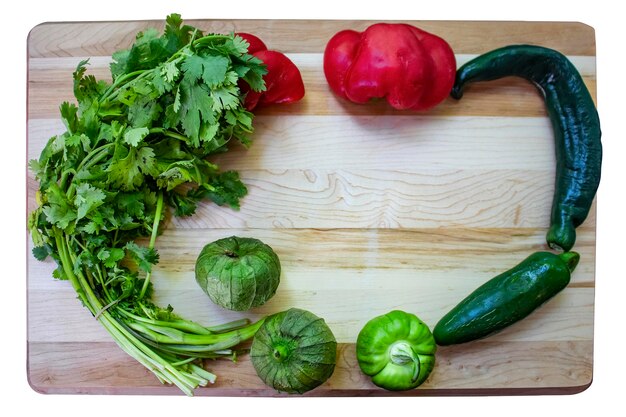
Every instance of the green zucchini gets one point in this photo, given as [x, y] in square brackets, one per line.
[507, 298]
[575, 123]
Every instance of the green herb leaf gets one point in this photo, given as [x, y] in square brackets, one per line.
[110, 256]
[41, 252]
[129, 166]
[210, 68]
[59, 210]
[87, 199]
[144, 257]
[135, 135]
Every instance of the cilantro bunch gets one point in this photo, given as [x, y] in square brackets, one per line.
[133, 148]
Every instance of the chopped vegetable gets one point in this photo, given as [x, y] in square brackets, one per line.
[294, 351]
[238, 273]
[409, 67]
[397, 350]
[107, 180]
[283, 81]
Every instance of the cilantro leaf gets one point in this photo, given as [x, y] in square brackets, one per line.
[129, 165]
[225, 97]
[87, 199]
[176, 34]
[184, 205]
[110, 256]
[196, 108]
[143, 256]
[131, 203]
[69, 115]
[144, 111]
[224, 189]
[41, 252]
[239, 45]
[82, 141]
[148, 51]
[33, 226]
[135, 135]
[211, 69]
[58, 209]
[170, 71]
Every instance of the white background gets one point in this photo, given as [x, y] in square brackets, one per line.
[20, 17]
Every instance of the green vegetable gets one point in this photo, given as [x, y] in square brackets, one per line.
[507, 298]
[238, 273]
[106, 182]
[294, 351]
[575, 121]
[397, 350]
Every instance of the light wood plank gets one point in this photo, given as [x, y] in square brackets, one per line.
[430, 254]
[540, 367]
[567, 317]
[332, 272]
[50, 83]
[55, 39]
[355, 142]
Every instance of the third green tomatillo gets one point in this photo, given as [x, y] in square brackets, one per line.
[397, 350]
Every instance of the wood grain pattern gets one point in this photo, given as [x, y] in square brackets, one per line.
[509, 97]
[459, 371]
[369, 209]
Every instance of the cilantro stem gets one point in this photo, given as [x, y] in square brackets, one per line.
[217, 341]
[211, 37]
[221, 328]
[119, 81]
[131, 345]
[93, 157]
[169, 133]
[180, 324]
[153, 236]
[66, 264]
[157, 220]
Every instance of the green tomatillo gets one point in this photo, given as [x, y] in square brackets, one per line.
[397, 350]
[238, 273]
[294, 351]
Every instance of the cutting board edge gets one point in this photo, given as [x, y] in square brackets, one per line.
[266, 393]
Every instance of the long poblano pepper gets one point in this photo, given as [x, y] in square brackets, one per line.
[108, 180]
[575, 123]
[507, 298]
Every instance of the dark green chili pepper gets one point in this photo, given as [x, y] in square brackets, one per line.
[507, 298]
[575, 121]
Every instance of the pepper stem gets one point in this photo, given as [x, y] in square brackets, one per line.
[571, 260]
[402, 354]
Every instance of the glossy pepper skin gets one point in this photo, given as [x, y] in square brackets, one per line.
[283, 81]
[409, 67]
[507, 298]
[575, 121]
[397, 350]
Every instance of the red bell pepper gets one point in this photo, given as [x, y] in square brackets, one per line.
[283, 81]
[410, 68]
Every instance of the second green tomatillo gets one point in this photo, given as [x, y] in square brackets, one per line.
[397, 350]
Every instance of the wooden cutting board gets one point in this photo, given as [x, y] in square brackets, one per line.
[369, 210]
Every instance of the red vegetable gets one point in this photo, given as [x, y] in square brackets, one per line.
[411, 68]
[283, 80]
